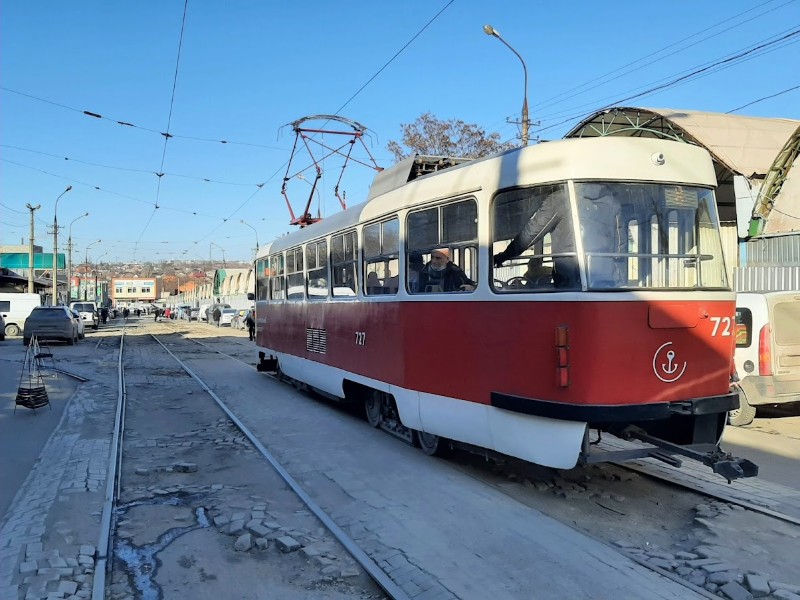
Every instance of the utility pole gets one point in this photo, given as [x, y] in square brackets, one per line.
[30, 249]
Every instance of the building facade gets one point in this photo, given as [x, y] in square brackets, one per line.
[134, 290]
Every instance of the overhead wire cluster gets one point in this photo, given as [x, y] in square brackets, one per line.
[549, 121]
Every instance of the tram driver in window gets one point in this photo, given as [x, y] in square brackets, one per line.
[552, 217]
[443, 275]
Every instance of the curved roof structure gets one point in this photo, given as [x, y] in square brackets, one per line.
[755, 147]
[744, 145]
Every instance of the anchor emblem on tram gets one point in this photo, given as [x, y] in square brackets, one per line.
[666, 364]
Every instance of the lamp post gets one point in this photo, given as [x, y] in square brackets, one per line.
[55, 247]
[243, 222]
[489, 30]
[86, 263]
[96, 270]
[218, 246]
[69, 257]
[31, 270]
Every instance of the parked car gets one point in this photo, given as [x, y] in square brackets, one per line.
[767, 355]
[238, 319]
[226, 316]
[194, 314]
[15, 308]
[79, 321]
[210, 313]
[88, 312]
[50, 323]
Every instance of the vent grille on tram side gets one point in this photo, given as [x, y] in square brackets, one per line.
[316, 340]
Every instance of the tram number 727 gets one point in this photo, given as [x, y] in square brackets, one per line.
[725, 323]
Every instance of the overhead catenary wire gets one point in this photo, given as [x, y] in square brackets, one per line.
[781, 93]
[169, 121]
[724, 62]
[604, 79]
[130, 169]
[775, 42]
[251, 196]
[127, 124]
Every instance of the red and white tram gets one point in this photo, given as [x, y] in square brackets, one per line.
[620, 319]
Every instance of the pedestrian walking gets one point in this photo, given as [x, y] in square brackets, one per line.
[250, 321]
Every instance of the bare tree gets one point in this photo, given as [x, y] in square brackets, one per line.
[432, 136]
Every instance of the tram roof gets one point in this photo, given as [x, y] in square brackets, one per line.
[553, 161]
[745, 145]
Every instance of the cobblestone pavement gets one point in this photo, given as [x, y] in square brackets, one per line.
[48, 535]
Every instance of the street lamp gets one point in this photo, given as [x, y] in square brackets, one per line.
[69, 248]
[55, 247]
[243, 222]
[218, 246]
[96, 270]
[86, 262]
[489, 30]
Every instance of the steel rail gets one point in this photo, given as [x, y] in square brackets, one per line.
[361, 557]
[112, 484]
[688, 484]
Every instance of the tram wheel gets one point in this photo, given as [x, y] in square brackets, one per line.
[745, 414]
[429, 443]
[373, 404]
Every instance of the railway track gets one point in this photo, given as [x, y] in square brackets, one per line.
[375, 570]
[119, 555]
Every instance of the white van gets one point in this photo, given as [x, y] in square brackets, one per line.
[88, 313]
[767, 355]
[15, 308]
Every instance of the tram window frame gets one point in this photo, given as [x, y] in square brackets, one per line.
[277, 280]
[381, 257]
[344, 263]
[317, 270]
[295, 275]
[443, 226]
[533, 270]
[262, 278]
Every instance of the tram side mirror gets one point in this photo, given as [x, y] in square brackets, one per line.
[251, 296]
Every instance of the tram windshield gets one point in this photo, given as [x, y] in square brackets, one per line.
[626, 236]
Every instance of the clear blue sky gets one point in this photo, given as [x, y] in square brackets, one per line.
[249, 67]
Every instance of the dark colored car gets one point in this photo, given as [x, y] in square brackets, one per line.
[51, 323]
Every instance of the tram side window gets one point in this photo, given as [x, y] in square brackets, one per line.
[534, 241]
[344, 258]
[295, 280]
[277, 281]
[262, 279]
[381, 257]
[442, 248]
[317, 265]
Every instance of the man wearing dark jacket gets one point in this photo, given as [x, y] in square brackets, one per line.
[443, 275]
[553, 217]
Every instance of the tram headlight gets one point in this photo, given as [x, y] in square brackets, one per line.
[658, 158]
